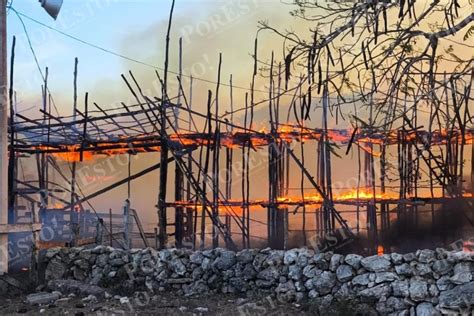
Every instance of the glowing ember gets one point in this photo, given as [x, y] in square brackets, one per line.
[380, 250]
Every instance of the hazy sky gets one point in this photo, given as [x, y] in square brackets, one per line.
[135, 29]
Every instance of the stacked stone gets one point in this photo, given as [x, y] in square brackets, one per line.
[425, 282]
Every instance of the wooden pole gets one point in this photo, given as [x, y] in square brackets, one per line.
[215, 161]
[178, 174]
[12, 162]
[163, 236]
[111, 230]
[126, 223]
[72, 215]
[99, 231]
[191, 221]
[3, 137]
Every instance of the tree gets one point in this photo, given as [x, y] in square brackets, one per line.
[404, 63]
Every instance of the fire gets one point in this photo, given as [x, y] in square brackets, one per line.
[286, 132]
[56, 205]
[364, 194]
[74, 156]
[380, 250]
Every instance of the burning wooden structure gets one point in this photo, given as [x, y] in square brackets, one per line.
[391, 146]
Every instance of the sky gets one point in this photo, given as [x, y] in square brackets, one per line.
[135, 29]
[100, 22]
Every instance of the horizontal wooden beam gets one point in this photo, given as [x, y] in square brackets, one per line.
[19, 228]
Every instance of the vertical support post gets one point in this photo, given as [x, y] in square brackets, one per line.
[178, 174]
[110, 227]
[190, 212]
[99, 231]
[3, 138]
[12, 160]
[229, 159]
[163, 236]
[34, 249]
[72, 217]
[126, 223]
[472, 168]
[215, 162]
[43, 161]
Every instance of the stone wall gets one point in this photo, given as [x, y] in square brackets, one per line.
[426, 282]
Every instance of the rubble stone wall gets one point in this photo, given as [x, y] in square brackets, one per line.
[427, 282]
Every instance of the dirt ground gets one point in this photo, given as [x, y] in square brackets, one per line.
[162, 304]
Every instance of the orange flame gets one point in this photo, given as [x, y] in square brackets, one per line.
[287, 133]
[364, 194]
[74, 156]
[380, 250]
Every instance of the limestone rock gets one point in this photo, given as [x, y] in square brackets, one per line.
[408, 257]
[400, 288]
[310, 271]
[275, 258]
[426, 309]
[324, 283]
[320, 261]
[177, 266]
[269, 274]
[385, 277]
[76, 287]
[362, 279]
[246, 255]
[444, 283]
[376, 263]
[304, 256]
[353, 260]
[197, 257]
[405, 269]
[461, 278]
[41, 298]
[336, 260]
[290, 256]
[344, 273]
[294, 272]
[418, 290]
[396, 303]
[459, 297]
[423, 269]
[426, 256]
[464, 267]
[375, 293]
[55, 270]
[396, 258]
[225, 261]
[442, 267]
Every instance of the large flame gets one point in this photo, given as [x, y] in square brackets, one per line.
[363, 194]
[289, 133]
